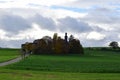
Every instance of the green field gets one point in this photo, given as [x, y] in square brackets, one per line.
[8, 54]
[93, 61]
[94, 65]
[46, 75]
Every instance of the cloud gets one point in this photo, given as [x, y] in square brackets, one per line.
[13, 23]
[94, 22]
[48, 3]
[73, 25]
[2, 34]
[28, 35]
[92, 3]
[44, 22]
[27, 3]
[95, 36]
[104, 18]
[104, 15]
[2, 1]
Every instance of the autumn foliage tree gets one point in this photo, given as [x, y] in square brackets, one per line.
[60, 47]
[75, 47]
[27, 47]
[43, 46]
[57, 45]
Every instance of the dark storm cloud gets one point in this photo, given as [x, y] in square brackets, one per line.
[73, 25]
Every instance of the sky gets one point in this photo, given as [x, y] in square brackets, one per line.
[94, 22]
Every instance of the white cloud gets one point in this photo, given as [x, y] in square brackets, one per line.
[61, 13]
[19, 19]
[95, 22]
[32, 33]
[105, 18]
[95, 36]
[66, 3]
[31, 3]
[35, 32]
[93, 3]
[119, 44]
[2, 34]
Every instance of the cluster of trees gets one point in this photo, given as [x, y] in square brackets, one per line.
[55, 45]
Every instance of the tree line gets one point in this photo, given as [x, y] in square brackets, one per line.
[55, 45]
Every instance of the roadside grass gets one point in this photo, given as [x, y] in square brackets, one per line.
[92, 62]
[8, 54]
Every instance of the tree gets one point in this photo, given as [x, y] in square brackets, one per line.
[28, 47]
[71, 37]
[114, 44]
[47, 45]
[43, 46]
[55, 36]
[60, 46]
[75, 47]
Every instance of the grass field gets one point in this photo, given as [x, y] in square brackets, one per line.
[46, 75]
[93, 62]
[94, 65]
[8, 54]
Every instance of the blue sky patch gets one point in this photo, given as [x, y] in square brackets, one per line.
[81, 10]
